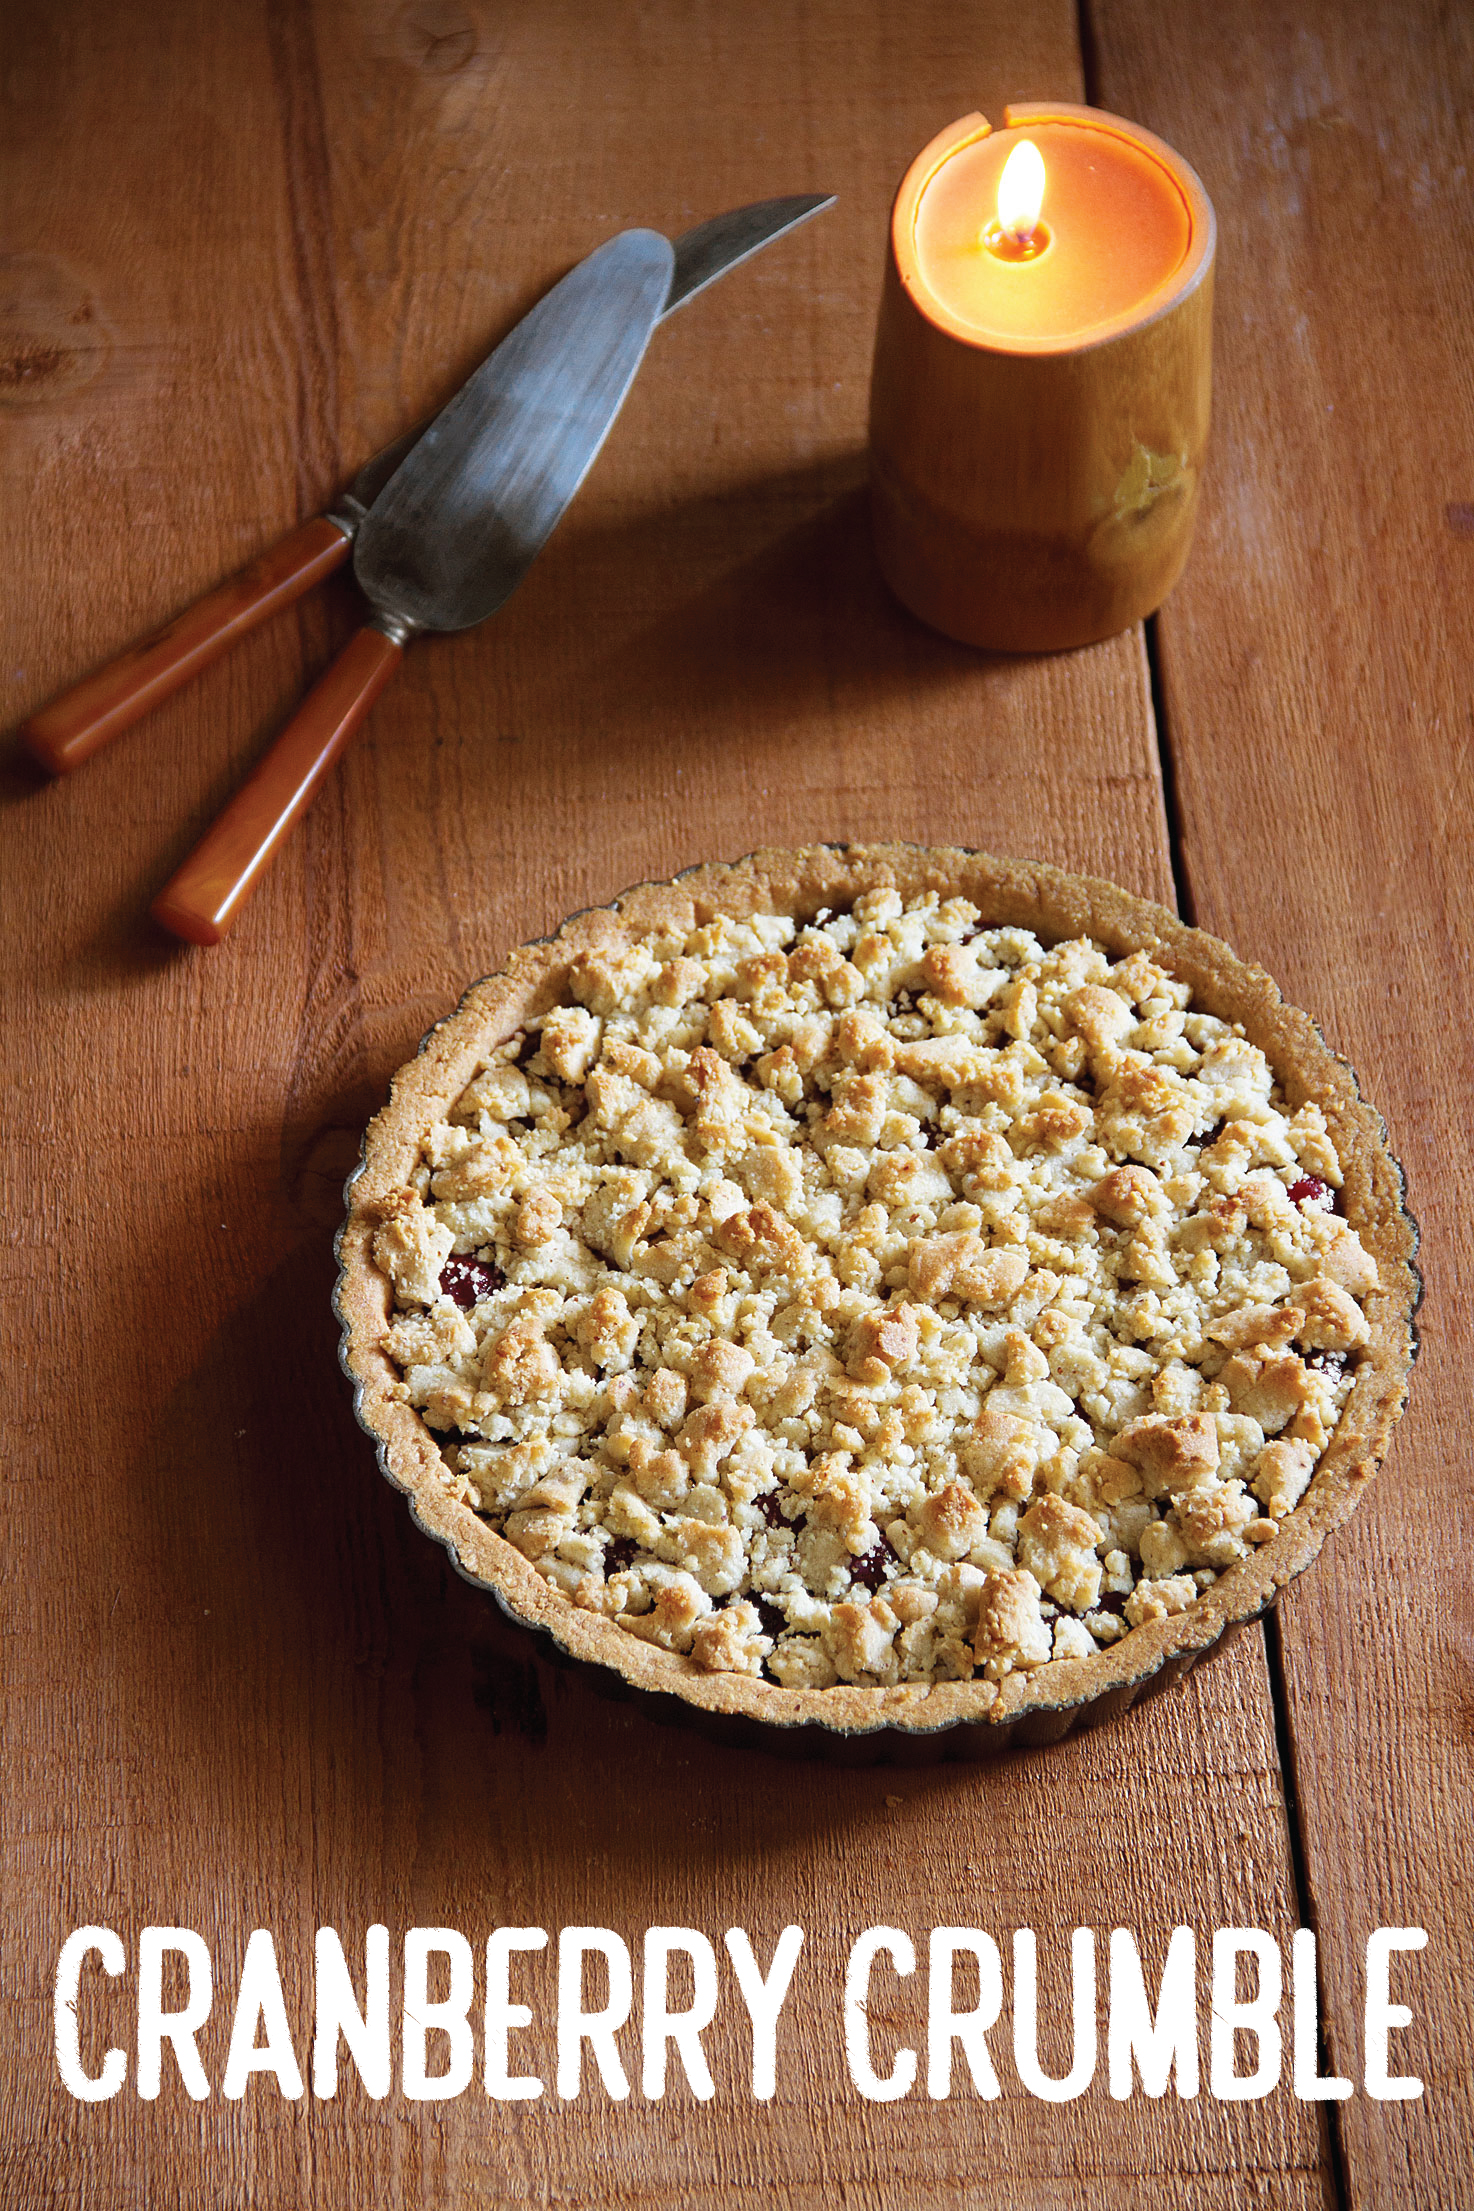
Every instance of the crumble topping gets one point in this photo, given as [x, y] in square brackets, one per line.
[881, 1299]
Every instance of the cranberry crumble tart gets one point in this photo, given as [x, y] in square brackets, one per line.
[879, 1287]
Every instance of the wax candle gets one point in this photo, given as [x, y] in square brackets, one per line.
[1039, 406]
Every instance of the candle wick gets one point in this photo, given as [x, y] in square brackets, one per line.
[1015, 244]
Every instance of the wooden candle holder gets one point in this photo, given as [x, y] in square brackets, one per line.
[1027, 495]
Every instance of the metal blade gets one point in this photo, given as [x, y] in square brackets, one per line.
[702, 255]
[708, 251]
[354, 503]
[458, 524]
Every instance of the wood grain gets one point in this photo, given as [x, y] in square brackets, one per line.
[242, 1690]
[1316, 663]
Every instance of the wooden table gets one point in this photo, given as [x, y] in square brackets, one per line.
[249, 243]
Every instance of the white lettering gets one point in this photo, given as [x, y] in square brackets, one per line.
[366, 2032]
[1154, 2045]
[764, 2000]
[502, 2015]
[660, 2026]
[598, 2028]
[1311, 2086]
[1026, 2017]
[88, 2088]
[902, 1954]
[449, 2016]
[1382, 2014]
[1256, 2017]
[157, 2026]
[259, 2003]
[946, 2026]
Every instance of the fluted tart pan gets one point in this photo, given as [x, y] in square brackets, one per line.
[467, 1429]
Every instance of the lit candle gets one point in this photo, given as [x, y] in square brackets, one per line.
[1039, 407]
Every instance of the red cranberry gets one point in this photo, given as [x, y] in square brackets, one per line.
[467, 1281]
[1310, 1190]
[869, 1568]
[770, 1505]
[773, 1621]
[618, 1554]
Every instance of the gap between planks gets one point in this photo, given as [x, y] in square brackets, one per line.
[1274, 1654]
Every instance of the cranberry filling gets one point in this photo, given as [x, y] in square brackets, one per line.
[773, 1621]
[619, 1554]
[869, 1569]
[1332, 1363]
[467, 1281]
[1309, 1190]
[770, 1505]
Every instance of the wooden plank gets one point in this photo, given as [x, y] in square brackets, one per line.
[1316, 664]
[246, 1691]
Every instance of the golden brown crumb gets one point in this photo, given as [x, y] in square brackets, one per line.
[877, 1299]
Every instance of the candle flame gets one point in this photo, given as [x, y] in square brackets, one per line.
[1021, 192]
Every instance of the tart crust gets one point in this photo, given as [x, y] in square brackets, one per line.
[960, 1717]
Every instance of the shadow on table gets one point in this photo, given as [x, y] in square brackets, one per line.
[751, 615]
[755, 618]
[307, 1638]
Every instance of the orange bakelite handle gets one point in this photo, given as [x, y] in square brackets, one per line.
[202, 900]
[84, 719]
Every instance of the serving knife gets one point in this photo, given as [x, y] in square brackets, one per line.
[80, 721]
[447, 540]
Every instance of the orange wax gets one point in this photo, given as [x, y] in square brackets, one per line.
[1116, 226]
[1039, 401]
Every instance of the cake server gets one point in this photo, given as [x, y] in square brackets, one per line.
[447, 540]
[80, 721]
